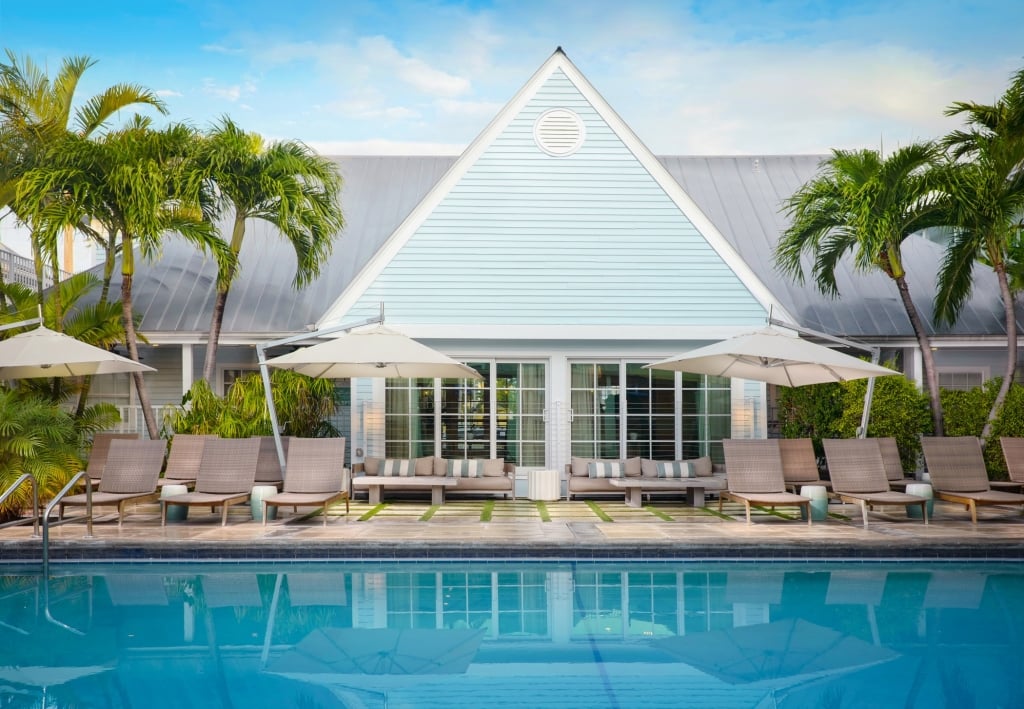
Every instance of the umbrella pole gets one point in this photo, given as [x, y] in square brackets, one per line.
[261, 355]
[862, 432]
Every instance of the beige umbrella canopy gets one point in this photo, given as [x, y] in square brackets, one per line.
[780, 654]
[771, 356]
[45, 353]
[374, 352]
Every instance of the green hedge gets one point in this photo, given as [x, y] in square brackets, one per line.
[819, 411]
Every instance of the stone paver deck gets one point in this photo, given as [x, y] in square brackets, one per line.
[496, 528]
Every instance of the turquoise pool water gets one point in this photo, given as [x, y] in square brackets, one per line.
[444, 634]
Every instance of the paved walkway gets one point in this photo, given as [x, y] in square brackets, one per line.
[528, 529]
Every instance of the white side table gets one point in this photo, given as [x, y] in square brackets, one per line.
[543, 485]
[819, 502]
[175, 513]
[259, 493]
[921, 490]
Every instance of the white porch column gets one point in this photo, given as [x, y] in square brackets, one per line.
[186, 368]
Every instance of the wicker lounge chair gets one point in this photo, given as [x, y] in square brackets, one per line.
[892, 463]
[132, 468]
[225, 478]
[268, 466]
[183, 460]
[1013, 454]
[754, 476]
[957, 470]
[316, 476]
[800, 464]
[98, 453]
[858, 476]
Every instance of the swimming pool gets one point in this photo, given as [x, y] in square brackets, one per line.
[545, 634]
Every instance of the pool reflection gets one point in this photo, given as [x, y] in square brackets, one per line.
[553, 634]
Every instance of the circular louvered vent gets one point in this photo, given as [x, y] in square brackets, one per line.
[559, 132]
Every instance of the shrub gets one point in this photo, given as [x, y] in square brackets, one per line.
[898, 410]
[36, 437]
[810, 412]
[304, 406]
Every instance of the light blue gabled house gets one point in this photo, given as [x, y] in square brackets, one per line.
[557, 255]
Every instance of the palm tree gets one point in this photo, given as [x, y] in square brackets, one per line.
[36, 112]
[985, 183]
[283, 183]
[135, 182]
[862, 203]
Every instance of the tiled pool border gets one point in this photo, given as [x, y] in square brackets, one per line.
[29, 551]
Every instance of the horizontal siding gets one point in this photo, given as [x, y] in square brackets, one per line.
[529, 239]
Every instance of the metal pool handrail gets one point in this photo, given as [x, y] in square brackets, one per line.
[55, 501]
[25, 477]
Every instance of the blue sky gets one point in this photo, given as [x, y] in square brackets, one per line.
[700, 77]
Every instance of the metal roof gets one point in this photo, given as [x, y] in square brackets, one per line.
[741, 195]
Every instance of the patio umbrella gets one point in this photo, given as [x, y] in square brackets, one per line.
[327, 652]
[374, 352]
[45, 353]
[784, 653]
[771, 356]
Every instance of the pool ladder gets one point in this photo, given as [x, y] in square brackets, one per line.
[27, 478]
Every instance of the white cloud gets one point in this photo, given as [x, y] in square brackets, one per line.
[220, 49]
[167, 93]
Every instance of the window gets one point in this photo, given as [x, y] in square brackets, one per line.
[706, 415]
[594, 396]
[500, 416]
[623, 410]
[961, 379]
[650, 413]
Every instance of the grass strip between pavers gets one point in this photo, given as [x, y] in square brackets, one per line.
[658, 513]
[598, 511]
[712, 511]
[774, 512]
[431, 511]
[542, 510]
[487, 511]
[371, 512]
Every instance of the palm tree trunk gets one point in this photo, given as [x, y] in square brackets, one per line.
[131, 340]
[1011, 350]
[213, 340]
[931, 377]
[108, 274]
[223, 286]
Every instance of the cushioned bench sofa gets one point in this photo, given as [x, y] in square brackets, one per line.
[480, 477]
[582, 480]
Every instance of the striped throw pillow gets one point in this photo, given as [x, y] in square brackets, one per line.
[675, 469]
[465, 468]
[397, 468]
[605, 469]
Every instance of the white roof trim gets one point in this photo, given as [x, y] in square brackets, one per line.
[660, 333]
[557, 61]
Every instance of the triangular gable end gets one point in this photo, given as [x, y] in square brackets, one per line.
[557, 215]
